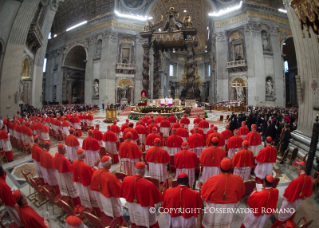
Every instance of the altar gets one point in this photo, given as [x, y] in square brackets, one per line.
[141, 111]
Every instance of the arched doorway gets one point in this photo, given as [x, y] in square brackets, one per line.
[74, 75]
[291, 70]
[124, 91]
[238, 89]
[25, 88]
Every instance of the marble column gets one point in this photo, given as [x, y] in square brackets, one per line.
[190, 68]
[145, 73]
[156, 76]
[221, 74]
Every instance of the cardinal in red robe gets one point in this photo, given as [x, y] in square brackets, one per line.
[92, 149]
[183, 199]
[227, 134]
[158, 119]
[146, 118]
[265, 159]
[196, 142]
[234, 144]
[48, 168]
[254, 140]
[116, 129]
[243, 162]
[29, 218]
[185, 121]
[176, 125]
[107, 188]
[221, 140]
[174, 143]
[149, 141]
[182, 132]
[72, 144]
[97, 134]
[28, 135]
[8, 199]
[82, 176]
[262, 205]
[6, 144]
[220, 192]
[130, 154]
[65, 176]
[197, 119]
[151, 126]
[36, 156]
[149, 121]
[135, 136]
[125, 125]
[141, 131]
[110, 141]
[210, 160]
[172, 119]
[243, 130]
[186, 162]
[297, 191]
[77, 125]
[90, 119]
[203, 124]
[157, 159]
[141, 196]
[165, 127]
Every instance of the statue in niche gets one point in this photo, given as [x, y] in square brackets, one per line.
[123, 91]
[238, 52]
[187, 21]
[265, 37]
[98, 48]
[96, 89]
[269, 88]
[21, 92]
[240, 93]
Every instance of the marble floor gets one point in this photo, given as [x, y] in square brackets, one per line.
[308, 209]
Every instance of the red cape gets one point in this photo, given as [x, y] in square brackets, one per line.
[115, 128]
[301, 184]
[174, 141]
[182, 132]
[124, 126]
[243, 158]
[172, 119]
[28, 131]
[146, 193]
[157, 154]
[141, 129]
[185, 120]
[190, 199]
[158, 119]
[47, 160]
[62, 164]
[29, 218]
[65, 124]
[185, 159]
[254, 138]
[214, 188]
[200, 131]
[149, 141]
[203, 124]
[235, 142]
[197, 120]
[90, 144]
[71, 140]
[36, 152]
[130, 150]
[82, 172]
[165, 123]
[212, 156]
[227, 134]
[267, 155]
[109, 136]
[150, 128]
[243, 130]
[5, 193]
[176, 125]
[133, 131]
[106, 183]
[266, 200]
[196, 140]
[97, 134]
[221, 141]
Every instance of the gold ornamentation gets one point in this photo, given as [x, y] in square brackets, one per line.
[197, 80]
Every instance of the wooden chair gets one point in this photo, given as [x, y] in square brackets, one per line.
[161, 187]
[283, 158]
[51, 196]
[250, 185]
[25, 175]
[70, 211]
[276, 182]
[172, 168]
[120, 176]
[101, 222]
[27, 148]
[38, 190]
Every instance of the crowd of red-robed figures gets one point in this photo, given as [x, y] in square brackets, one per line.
[79, 176]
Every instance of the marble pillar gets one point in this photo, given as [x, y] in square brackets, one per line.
[145, 73]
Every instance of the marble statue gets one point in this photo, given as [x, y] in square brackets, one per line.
[96, 89]
[123, 90]
[265, 38]
[188, 23]
[240, 93]
[269, 88]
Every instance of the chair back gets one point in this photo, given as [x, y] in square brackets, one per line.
[227, 117]
[95, 221]
[174, 183]
[120, 176]
[172, 168]
[153, 180]
[250, 185]
[221, 118]
[294, 154]
[103, 151]
[285, 155]
[34, 185]
[275, 183]
[48, 194]
[25, 175]
[66, 207]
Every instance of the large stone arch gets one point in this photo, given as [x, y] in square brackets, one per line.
[75, 53]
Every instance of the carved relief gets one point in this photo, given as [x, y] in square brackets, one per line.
[265, 41]
[236, 42]
[98, 49]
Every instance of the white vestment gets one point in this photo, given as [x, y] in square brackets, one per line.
[111, 147]
[233, 151]
[110, 206]
[180, 222]
[254, 149]
[263, 169]
[218, 220]
[243, 172]
[49, 176]
[173, 150]
[129, 165]
[141, 216]
[209, 171]
[165, 131]
[65, 130]
[71, 152]
[66, 185]
[190, 173]
[198, 150]
[91, 157]
[252, 221]
[37, 167]
[87, 196]
[291, 207]
[158, 170]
